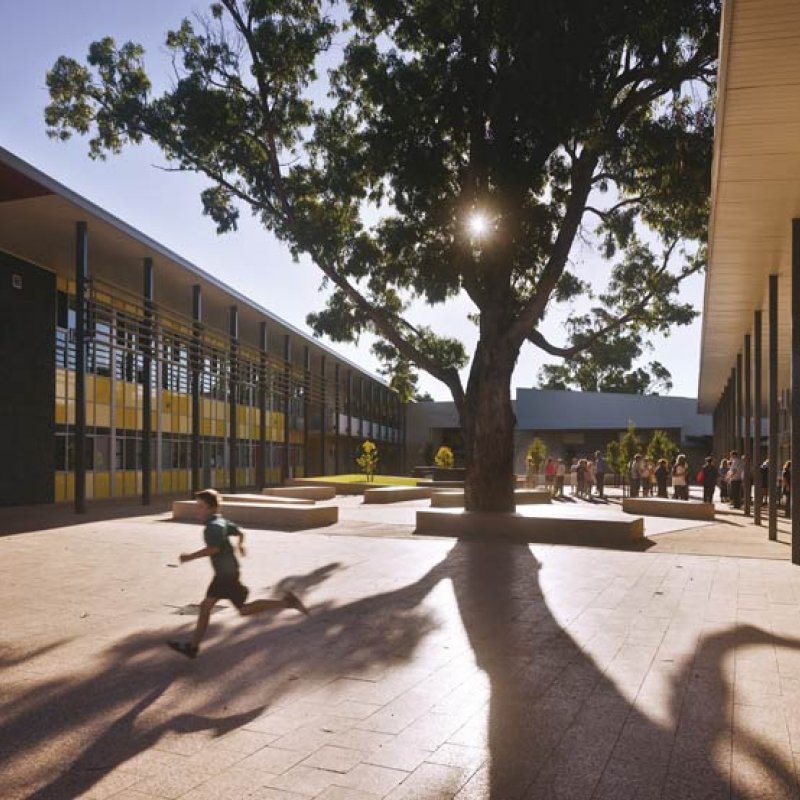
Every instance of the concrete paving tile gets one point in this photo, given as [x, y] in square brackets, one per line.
[345, 793]
[397, 755]
[370, 779]
[351, 709]
[231, 784]
[303, 780]
[244, 741]
[334, 759]
[431, 781]
[355, 739]
[305, 740]
[272, 760]
[270, 793]
[453, 755]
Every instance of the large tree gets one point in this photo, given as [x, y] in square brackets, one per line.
[464, 146]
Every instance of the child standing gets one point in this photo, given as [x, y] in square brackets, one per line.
[225, 585]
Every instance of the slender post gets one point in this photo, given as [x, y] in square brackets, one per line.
[349, 448]
[147, 388]
[739, 405]
[81, 281]
[261, 461]
[772, 352]
[757, 401]
[306, 406]
[324, 415]
[337, 425]
[287, 374]
[196, 364]
[795, 400]
[233, 440]
[748, 423]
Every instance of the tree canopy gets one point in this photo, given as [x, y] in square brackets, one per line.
[466, 146]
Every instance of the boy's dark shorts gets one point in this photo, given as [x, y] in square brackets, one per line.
[228, 587]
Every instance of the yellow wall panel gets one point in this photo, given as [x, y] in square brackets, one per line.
[102, 389]
[60, 487]
[102, 415]
[102, 484]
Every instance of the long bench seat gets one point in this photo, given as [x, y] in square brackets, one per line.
[306, 492]
[454, 498]
[667, 507]
[540, 524]
[265, 515]
[396, 494]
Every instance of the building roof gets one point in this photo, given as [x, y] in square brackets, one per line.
[37, 224]
[755, 189]
[545, 409]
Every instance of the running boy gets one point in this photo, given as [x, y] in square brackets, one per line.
[225, 584]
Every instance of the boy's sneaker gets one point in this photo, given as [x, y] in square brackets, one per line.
[293, 601]
[184, 648]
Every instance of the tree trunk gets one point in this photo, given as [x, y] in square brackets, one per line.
[488, 423]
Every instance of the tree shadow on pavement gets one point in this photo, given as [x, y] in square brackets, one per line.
[558, 724]
[142, 692]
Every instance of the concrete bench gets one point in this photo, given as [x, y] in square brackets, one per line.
[664, 507]
[396, 494]
[337, 487]
[539, 524]
[454, 498]
[265, 515]
[267, 498]
[320, 492]
[442, 484]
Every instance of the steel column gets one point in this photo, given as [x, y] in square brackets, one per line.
[757, 401]
[287, 375]
[196, 365]
[147, 387]
[323, 420]
[233, 440]
[748, 424]
[81, 282]
[336, 422]
[795, 401]
[263, 366]
[772, 352]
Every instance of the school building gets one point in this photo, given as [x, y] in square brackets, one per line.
[126, 370]
[571, 424]
[750, 357]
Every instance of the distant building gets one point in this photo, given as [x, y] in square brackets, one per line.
[572, 424]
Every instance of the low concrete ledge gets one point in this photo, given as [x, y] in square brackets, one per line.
[396, 494]
[442, 484]
[305, 492]
[265, 515]
[665, 507]
[535, 525]
[454, 498]
[267, 498]
[339, 487]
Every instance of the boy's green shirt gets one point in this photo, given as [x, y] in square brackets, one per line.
[216, 535]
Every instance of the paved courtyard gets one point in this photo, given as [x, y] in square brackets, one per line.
[429, 668]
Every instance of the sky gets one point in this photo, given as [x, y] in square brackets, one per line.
[166, 205]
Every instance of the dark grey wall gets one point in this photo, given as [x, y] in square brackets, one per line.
[27, 383]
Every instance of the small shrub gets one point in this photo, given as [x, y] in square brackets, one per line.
[368, 460]
[444, 457]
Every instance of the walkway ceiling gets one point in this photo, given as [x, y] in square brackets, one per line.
[755, 185]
